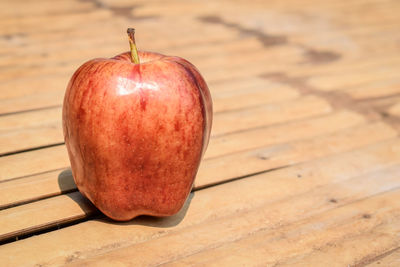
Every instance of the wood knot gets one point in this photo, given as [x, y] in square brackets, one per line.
[366, 216]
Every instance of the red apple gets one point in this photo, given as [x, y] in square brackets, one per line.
[136, 132]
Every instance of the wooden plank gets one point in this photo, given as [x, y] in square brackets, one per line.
[345, 66]
[80, 55]
[281, 133]
[247, 97]
[92, 34]
[275, 25]
[250, 95]
[219, 97]
[211, 72]
[61, 85]
[383, 89]
[342, 235]
[351, 79]
[360, 245]
[66, 21]
[37, 85]
[307, 214]
[195, 9]
[392, 258]
[26, 8]
[28, 120]
[78, 49]
[360, 44]
[55, 158]
[269, 114]
[29, 130]
[49, 92]
[157, 26]
[394, 110]
[35, 187]
[33, 162]
[211, 172]
[17, 191]
[49, 210]
[243, 163]
[43, 127]
[234, 84]
[336, 69]
[64, 61]
[49, 99]
[249, 56]
[215, 206]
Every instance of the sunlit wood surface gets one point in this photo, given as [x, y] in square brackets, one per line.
[303, 167]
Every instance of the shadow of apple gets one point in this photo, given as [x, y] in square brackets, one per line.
[68, 187]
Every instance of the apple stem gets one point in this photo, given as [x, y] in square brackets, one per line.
[132, 44]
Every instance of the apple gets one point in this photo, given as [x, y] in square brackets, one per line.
[136, 131]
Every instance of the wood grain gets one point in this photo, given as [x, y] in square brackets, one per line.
[27, 130]
[390, 258]
[55, 158]
[220, 205]
[211, 172]
[302, 167]
[50, 183]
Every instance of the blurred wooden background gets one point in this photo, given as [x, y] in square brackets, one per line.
[303, 165]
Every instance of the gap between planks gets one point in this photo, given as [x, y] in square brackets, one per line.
[14, 191]
[215, 210]
[211, 172]
[45, 126]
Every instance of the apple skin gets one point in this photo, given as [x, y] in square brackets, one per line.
[135, 133]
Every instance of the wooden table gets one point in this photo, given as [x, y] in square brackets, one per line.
[303, 164]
